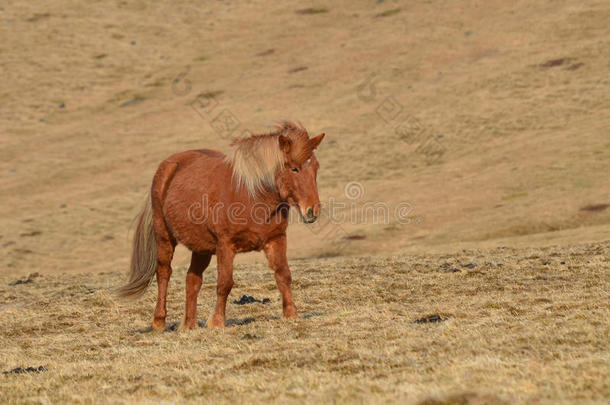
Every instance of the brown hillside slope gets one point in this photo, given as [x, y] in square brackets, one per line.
[490, 119]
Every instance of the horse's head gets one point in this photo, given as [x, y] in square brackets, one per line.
[296, 181]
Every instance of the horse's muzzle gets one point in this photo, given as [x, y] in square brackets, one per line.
[310, 217]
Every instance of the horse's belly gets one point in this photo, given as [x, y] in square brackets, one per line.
[247, 241]
[187, 227]
[256, 236]
[200, 242]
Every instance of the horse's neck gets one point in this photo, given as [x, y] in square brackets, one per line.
[271, 200]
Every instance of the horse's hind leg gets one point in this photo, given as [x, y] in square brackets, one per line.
[199, 262]
[165, 252]
[165, 242]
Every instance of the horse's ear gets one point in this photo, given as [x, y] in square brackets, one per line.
[316, 141]
[285, 144]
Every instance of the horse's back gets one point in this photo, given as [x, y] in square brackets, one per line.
[198, 182]
[189, 156]
[188, 168]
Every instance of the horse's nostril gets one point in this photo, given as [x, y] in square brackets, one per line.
[310, 213]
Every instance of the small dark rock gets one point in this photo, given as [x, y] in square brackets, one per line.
[133, 101]
[265, 53]
[62, 105]
[562, 263]
[575, 66]
[20, 370]
[248, 299]
[448, 268]
[238, 322]
[133, 42]
[388, 13]
[248, 336]
[26, 280]
[595, 207]
[63, 206]
[429, 319]
[298, 69]
[355, 237]
[553, 63]
[32, 233]
[311, 11]
[311, 315]
[245, 299]
[469, 266]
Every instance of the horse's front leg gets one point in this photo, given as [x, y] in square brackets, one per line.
[275, 250]
[224, 256]
[199, 262]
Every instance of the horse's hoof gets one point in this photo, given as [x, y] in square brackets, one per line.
[291, 313]
[215, 322]
[158, 325]
[184, 326]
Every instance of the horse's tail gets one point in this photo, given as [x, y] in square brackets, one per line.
[143, 256]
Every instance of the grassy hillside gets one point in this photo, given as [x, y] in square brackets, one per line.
[490, 119]
[459, 133]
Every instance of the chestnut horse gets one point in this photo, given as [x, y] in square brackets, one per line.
[214, 204]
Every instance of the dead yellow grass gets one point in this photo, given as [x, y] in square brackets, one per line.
[519, 326]
[525, 141]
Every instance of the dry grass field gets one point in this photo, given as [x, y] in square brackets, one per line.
[526, 325]
[482, 127]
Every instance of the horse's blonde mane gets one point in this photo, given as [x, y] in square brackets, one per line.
[257, 158]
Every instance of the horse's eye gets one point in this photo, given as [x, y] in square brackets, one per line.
[295, 170]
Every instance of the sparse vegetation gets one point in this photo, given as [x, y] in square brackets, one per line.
[389, 13]
[312, 10]
[510, 325]
[38, 16]
[137, 99]
[514, 195]
[210, 94]
[161, 81]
